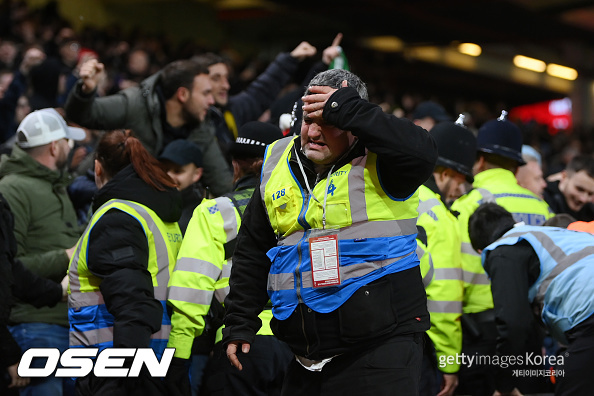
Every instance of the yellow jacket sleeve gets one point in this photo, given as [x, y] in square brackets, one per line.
[201, 271]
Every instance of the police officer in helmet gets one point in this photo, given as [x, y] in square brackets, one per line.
[499, 153]
[442, 274]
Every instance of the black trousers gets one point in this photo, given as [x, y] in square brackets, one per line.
[264, 369]
[391, 368]
[478, 380]
[431, 377]
[578, 358]
[144, 385]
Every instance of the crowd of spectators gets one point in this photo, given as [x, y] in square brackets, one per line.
[40, 55]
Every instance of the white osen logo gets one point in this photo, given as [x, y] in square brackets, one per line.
[79, 362]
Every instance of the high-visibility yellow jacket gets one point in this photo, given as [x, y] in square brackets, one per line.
[376, 232]
[442, 275]
[499, 186]
[91, 324]
[203, 268]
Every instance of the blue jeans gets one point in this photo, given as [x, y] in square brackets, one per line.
[43, 335]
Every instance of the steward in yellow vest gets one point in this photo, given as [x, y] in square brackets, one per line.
[119, 272]
[329, 238]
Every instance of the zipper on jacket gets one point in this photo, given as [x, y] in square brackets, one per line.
[297, 269]
[304, 204]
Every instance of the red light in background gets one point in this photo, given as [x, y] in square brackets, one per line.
[556, 114]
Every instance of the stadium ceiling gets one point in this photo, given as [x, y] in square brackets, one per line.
[415, 40]
[553, 31]
[561, 31]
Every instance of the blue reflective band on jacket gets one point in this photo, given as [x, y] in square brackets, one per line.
[91, 318]
[378, 256]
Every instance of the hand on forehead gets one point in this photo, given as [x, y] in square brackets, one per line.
[314, 102]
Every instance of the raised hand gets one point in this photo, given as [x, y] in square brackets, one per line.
[303, 50]
[91, 73]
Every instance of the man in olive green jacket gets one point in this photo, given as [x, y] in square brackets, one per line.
[33, 183]
[167, 106]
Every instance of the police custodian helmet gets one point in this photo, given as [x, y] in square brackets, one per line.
[456, 147]
[501, 137]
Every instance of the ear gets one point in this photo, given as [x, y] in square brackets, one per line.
[441, 176]
[182, 94]
[98, 169]
[480, 164]
[197, 174]
[53, 148]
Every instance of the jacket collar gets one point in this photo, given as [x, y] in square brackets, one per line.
[21, 163]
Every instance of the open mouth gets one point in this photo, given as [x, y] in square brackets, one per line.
[316, 144]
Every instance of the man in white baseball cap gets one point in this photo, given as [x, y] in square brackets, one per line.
[33, 182]
[45, 126]
[47, 133]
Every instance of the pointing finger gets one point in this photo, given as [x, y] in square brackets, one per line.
[337, 40]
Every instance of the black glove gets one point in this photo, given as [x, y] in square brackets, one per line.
[178, 377]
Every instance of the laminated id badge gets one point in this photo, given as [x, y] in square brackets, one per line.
[323, 252]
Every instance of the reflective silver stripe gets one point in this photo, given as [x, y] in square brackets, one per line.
[77, 299]
[555, 251]
[563, 260]
[369, 229]
[202, 267]
[99, 336]
[285, 281]
[227, 210]
[160, 247]
[91, 337]
[448, 274]
[73, 280]
[453, 307]
[429, 275]
[226, 273]
[85, 299]
[488, 196]
[426, 206]
[278, 282]
[475, 278]
[221, 294]
[190, 294]
[357, 200]
[567, 262]
[274, 155]
[162, 333]
[466, 248]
